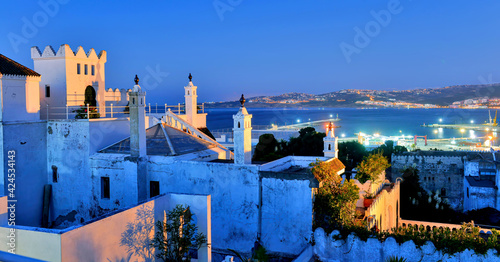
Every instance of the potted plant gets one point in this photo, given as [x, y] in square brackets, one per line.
[368, 199]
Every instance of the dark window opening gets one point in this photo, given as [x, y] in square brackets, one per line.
[86, 69]
[47, 90]
[154, 188]
[105, 187]
[467, 192]
[93, 70]
[78, 68]
[443, 192]
[54, 174]
[329, 147]
[238, 124]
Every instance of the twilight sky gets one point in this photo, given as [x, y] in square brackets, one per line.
[267, 47]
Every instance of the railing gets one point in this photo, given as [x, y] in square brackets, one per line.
[111, 111]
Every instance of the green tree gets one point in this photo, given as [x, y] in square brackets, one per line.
[371, 167]
[335, 202]
[308, 143]
[267, 149]
[388, 149]
[351, 154]
[177, 235]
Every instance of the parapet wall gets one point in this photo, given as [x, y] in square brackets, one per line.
[66, 52]
[373, 250]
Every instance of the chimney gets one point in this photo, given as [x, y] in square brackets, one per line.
[242, 135]
[137, 120]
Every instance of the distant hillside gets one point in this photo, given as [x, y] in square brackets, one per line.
[444, 96]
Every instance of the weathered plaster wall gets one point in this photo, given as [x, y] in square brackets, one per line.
[67, 152]
[234, 190]
[28, 139]
[286, 224]
[356, 250]
[20, 98]
[479, 197]
[437, 170]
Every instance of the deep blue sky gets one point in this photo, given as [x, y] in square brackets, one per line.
[266, 47]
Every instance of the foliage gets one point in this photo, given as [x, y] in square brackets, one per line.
[418, 204]
[335, 202]
[177, 235]
[81, 113]
[308, 143]
[266, 149]
[388, 149]
[259, 253]
[444, 239]
[351, 154]
[396, 259]
[370, 168]
[369, 196]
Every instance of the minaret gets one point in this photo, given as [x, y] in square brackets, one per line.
[191, 101]
[242, 135]
[137, 121]
[331, 142]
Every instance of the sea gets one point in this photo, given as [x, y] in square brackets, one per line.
[382, 121]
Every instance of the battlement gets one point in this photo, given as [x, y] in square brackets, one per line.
[66, 52]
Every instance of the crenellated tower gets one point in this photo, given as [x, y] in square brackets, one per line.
[68, 77]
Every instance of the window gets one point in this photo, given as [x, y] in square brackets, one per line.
[467, 192]
[86, 69]
[47, 90]
[443, 192]
[93, 70]
[154, 188]
[105, 187]
[78, 68]
[54, 174]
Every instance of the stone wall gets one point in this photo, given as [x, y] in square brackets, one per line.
[437, 171]
[373, 250]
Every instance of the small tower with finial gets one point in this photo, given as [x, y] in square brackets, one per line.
[191, 99]
[330, 142]
[242, 136]
[137, 104]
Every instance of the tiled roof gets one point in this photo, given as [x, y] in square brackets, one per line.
[337, 165]
[11, 67]
[476, 182]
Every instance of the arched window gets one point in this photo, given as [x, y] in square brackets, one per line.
[329, 146]
[188, 92]
[238, 124]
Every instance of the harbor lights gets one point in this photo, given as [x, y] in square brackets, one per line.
[298, 120]
[343, 135]
[440, 120]
[331, 116]
[435, 131]
[472, 121]
[462, 130]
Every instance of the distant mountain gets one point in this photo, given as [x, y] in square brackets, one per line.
[443, 96]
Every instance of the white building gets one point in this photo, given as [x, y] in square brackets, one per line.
[481, 180]
[72, 171]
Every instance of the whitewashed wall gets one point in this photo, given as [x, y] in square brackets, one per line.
[356, 250]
